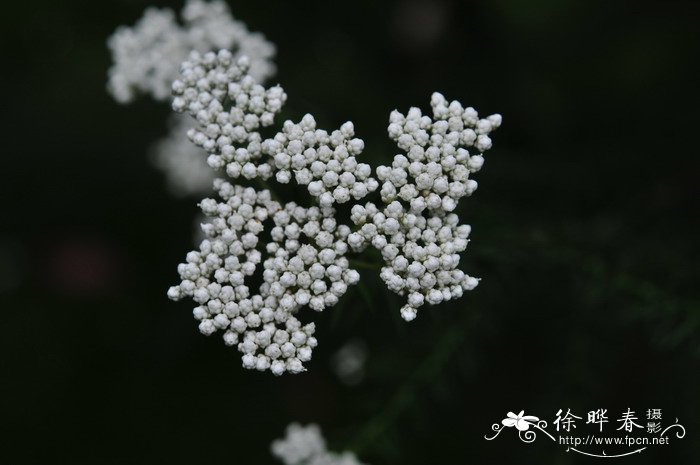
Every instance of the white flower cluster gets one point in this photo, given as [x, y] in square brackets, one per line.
[147, 56]
[418, 236]
[306, 266]
[230, 108]
[304, 445]
[183, 164]
[323, 162]
[307, 246]
[349, 362]
[415, 229]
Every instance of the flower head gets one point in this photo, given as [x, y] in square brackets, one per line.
[230, 108]
[416, 231]
[304, 445]
[183, 164]
[306, 266]
[147, 56]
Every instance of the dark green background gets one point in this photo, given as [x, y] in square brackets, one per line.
[585, 232]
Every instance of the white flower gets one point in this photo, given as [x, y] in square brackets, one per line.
[183, 164]
[305, 266]
[147, 56]
[304, 445]
[230, 108]
[325, 163]
[228, 134]
[416, 232]
[349, 362]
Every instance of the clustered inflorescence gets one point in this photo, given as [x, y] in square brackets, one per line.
[304, 445]
[325, 163]
[147, 58]
[306, 266]
[307, 263]
[183, 163]
[415, 230]
[303, 253]
[261, 260]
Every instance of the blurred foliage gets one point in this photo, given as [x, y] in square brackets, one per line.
[585, 230]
